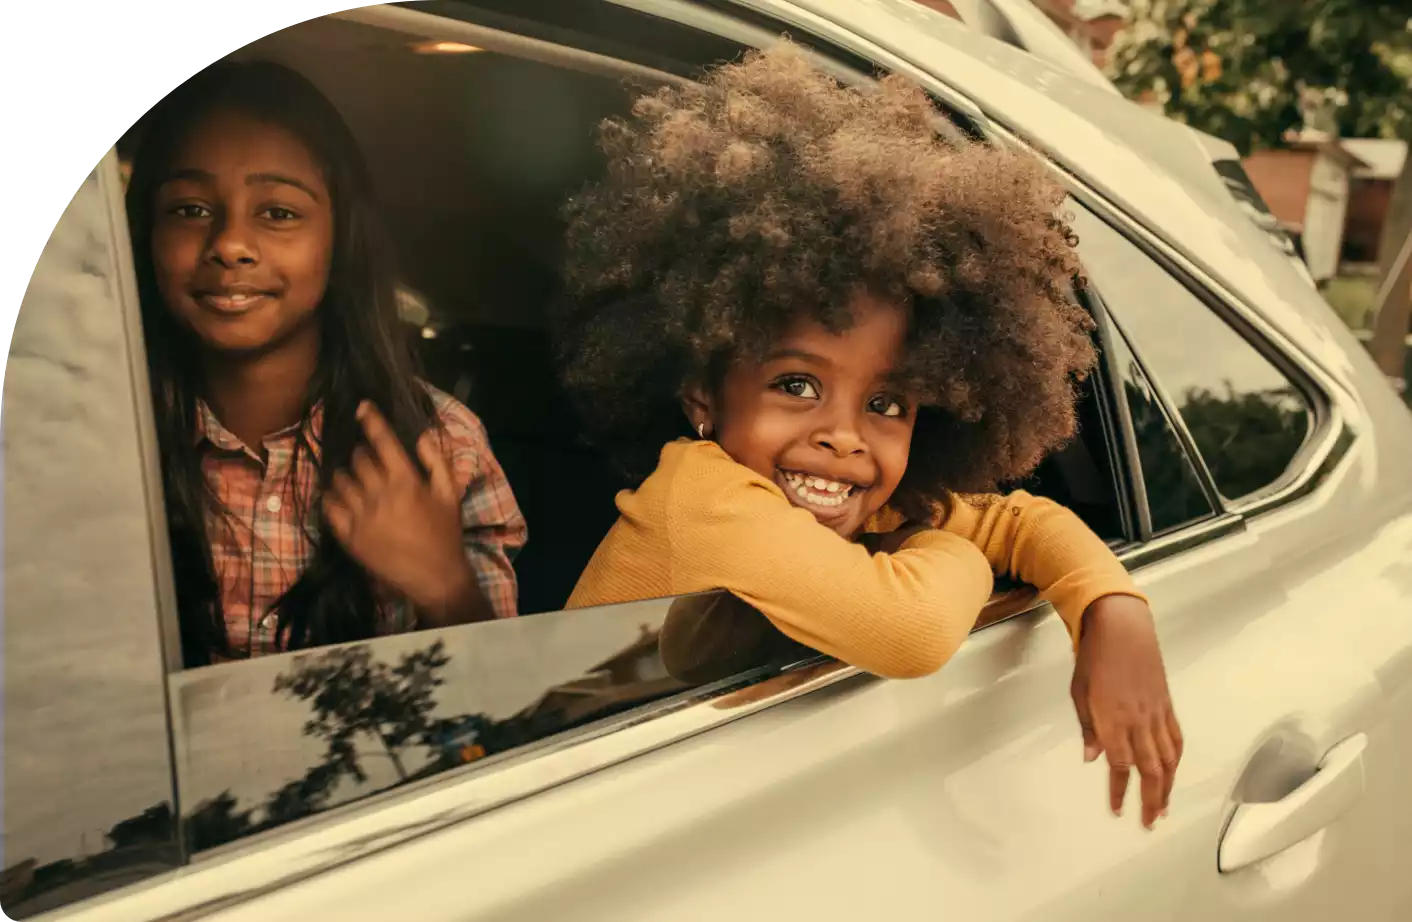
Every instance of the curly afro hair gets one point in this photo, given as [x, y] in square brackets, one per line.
[768, 192]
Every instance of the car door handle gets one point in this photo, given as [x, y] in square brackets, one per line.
[1257, 831]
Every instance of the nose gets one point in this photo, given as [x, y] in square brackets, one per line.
[840, 435]
[232, 244]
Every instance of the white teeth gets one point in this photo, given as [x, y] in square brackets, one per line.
[816, 491]
[234, 300]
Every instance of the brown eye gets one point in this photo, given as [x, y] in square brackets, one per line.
[278, 213]
[797, 386]
[886, 406]
[190, 211]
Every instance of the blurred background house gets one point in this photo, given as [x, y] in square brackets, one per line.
[1306, 185]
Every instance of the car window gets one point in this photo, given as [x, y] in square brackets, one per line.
[279, 738]
[1175, 496]
[88, 799]
[1247, 419]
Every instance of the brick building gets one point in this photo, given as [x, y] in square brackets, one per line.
[1369, 194]
[1306, 184]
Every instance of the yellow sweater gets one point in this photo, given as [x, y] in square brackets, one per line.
[701, 522]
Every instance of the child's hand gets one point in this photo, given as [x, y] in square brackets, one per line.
[403, 528]
[1124, 707]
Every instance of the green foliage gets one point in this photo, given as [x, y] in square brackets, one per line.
[1248, 70]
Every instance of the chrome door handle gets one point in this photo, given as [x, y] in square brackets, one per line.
[1257, 831]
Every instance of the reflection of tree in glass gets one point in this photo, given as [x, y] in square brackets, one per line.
[216, 821]
[1247, 439]
[354, 695]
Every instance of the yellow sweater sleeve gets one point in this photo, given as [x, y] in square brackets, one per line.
[1039, 542]
[895, 615]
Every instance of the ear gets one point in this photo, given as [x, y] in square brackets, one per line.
[696, 403]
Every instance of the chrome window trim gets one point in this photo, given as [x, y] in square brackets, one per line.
[1132, 458]
[1182, 539]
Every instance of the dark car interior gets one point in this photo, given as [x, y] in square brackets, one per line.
[473, 153]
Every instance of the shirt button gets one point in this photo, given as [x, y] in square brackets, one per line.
[274, 504]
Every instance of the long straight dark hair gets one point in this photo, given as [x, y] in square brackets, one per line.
[362, 356]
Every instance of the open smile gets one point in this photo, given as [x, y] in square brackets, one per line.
[819, 495]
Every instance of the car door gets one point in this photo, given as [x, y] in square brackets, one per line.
[1307, 697]
[89, 803]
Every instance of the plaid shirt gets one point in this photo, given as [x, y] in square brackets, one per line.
[265, 542]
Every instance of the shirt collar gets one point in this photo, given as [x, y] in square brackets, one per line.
[210, 429]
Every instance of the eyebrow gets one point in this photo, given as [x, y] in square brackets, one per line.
[797, 354]
[254, 179]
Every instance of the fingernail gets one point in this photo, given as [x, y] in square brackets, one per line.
[362, 410]
[1118, 812]
[1090, 753]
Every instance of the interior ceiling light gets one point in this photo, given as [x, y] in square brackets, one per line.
[437, 47]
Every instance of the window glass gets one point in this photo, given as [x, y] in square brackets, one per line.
[1247, 419]
[1174, 493]
[88, 801]
[277, 738]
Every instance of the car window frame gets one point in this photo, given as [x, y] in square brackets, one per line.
[108, 186]
[1110, 332]
[1326, 417]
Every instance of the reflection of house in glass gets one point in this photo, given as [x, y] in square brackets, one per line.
[630, 677]
[136, 848]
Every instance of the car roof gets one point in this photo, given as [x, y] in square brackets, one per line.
[1156, 170]
[1038, 34]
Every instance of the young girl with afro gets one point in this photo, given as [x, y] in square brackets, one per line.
[867, 327]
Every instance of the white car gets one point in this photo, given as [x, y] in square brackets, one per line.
[1238, 450]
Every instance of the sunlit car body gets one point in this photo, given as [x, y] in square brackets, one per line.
[801, 788]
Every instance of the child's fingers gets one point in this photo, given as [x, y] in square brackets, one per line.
[1092, 747]
[344, 492]
[338, 516]
[1174, 733]
[1171, 756]
[383, 441]
[1152, 771]
[366, 470]
[439, 472]
[1120, 765]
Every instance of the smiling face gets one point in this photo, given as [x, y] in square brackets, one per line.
[242, 236]
[820, 417]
